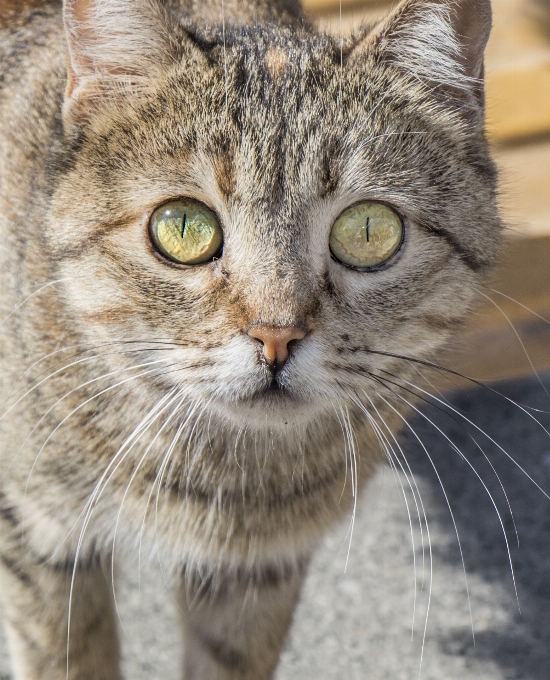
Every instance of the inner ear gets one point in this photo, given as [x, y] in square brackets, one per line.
[79, 35]
[119, 47]
[114, 34]
[113, 44]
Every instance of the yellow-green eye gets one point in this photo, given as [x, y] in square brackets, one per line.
[366, 235]
[186, 232]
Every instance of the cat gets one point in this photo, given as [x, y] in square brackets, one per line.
[226, 242]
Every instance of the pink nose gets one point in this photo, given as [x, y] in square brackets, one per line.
[276, 341]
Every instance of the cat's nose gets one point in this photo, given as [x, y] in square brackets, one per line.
[275, 341]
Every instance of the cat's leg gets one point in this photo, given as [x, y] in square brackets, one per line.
[236, 630]
[35, 600]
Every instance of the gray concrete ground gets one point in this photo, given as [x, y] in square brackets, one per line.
[355, 623]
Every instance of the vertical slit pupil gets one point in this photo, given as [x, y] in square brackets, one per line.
[184, 224]
[368, 227]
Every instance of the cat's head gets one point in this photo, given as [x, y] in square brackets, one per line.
[269, 213]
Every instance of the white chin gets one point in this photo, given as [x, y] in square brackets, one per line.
[270, 410]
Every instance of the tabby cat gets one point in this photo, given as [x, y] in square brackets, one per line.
[225, 241]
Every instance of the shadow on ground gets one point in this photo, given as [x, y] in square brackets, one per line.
[522, 648]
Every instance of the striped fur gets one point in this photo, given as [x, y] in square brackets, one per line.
[134, 403]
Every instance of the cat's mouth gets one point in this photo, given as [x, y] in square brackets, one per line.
[274, 386]
[273, 394]
[272, 404]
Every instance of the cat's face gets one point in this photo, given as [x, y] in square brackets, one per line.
[277, 136]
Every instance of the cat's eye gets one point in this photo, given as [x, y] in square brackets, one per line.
[366, 235]
[186, 232]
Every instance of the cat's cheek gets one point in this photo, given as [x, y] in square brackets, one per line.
[89, 288]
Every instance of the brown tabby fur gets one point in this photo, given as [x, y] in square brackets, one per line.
[135, 404]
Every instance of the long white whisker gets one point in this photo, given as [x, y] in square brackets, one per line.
[448, 503]
[164, 345]
[442, 370]
[171, 447]
[485, 434]
[37, 385]
[355, 483]
[476, 473]
[126, 491]
[67, 394]
[86, 513]
[345, 455]
[445, 403]
[404, 420]
[158, 477]
[42, 287]
[393, 459]
[498, 292]
[81, 405]
[417, 496]
[345, 434]
[510, 323]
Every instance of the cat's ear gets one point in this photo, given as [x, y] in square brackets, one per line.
[113, 45]
[441, 42]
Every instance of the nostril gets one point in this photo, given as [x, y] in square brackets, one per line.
[276, 341]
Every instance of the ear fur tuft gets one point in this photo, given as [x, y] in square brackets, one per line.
[437, 41]
[113, 45]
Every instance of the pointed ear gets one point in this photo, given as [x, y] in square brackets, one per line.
[113, 45]
[441, 42]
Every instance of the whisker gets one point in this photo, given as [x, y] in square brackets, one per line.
[349, 532]
[394, 462]
[67, 394]
[510, 323]
[81, 405]
[345, 456]
[158, 478]
[171, 346]
[433, 387]
[479, 383]
[172, 445]
[126, 491]
[166, 346]
[107, 475]
[415, 492]
[453, 519]
[57, 372]
[130, 441]
[354, 481]
[42, 287]
[448, 405]
[517, 302]
[460, 453]
[479, 429]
